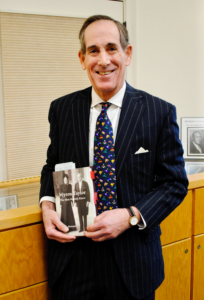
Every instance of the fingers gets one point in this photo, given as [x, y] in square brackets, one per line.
[53, 234]
[61, 226]
[52, 223]
[108, 225]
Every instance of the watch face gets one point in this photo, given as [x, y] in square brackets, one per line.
[133, 221]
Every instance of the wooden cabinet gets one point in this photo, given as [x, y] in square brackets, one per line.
[199, 211]
[177, 262]
[23, 256]
[178, 225]
[35, 292]
[198, 268]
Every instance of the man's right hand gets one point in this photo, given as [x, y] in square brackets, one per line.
[52, 222]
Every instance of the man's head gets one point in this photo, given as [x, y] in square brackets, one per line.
[105, 52]
[196, 136]
[79, 177]
[66, 178]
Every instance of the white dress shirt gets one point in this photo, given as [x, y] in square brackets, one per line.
[113, 113]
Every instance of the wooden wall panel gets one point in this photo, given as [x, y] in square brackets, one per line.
[199, 210]
[198, 274]
[23, 256]
[177, 226]
[20, 217]
[177, 272]
[36, 292]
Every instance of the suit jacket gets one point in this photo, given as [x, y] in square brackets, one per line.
[155, 182]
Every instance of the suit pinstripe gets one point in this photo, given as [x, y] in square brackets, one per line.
[155, 182]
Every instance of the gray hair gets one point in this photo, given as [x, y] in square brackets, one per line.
[124, 38]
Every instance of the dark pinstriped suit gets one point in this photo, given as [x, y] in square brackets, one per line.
[155, 182]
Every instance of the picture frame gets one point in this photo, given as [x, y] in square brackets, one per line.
[8, 202]
[192, 137]
[193, 167]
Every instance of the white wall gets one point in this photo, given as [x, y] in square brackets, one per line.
[3, 165]
[168, 40]
[71, 8]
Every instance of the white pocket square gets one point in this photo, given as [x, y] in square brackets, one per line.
[141, 150]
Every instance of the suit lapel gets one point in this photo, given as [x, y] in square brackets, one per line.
[131, 113]
[80, 118]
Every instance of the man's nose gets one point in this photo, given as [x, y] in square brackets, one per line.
[103, 59]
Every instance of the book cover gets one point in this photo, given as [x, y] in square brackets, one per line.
[74, 199]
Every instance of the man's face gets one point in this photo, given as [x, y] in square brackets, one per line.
[79, 177]
[65, 180]
[105, 60]
[197, 137]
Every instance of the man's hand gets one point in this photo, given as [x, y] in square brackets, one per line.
[52, 221]
[109, 224]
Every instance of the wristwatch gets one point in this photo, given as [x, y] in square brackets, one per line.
[133, 219]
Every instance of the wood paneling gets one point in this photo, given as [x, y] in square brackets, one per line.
[35, 292]
[11, 183]
[23, 257]
[199, 211]
[177, 226]
[196, 181]
[177, 272]
[20, 216]
[198, 274]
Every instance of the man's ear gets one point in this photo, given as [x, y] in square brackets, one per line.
[82, 60]
[128, 53]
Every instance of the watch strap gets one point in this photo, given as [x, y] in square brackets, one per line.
[128, 209]
[132, 211]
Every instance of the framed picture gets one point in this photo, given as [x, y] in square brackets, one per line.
[192, 137]
[8, 202]
[193, 167]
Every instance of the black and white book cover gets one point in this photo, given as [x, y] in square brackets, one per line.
[74, 199]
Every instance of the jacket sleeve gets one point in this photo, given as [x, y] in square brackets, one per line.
[171, 181]
[47, 188]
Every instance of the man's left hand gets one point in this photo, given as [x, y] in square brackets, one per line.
[108, 225]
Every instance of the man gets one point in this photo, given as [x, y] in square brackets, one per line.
[66, 202]
[116, 259]
[195, 145]
[82, 201]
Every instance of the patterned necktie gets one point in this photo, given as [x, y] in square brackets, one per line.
[104, 162]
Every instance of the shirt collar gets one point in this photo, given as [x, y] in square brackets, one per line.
[117, 99]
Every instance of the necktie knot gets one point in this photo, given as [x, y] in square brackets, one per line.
[105, 106]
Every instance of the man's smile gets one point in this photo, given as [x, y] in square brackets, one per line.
[104, 73]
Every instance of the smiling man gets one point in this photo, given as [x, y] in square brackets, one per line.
[132, 140]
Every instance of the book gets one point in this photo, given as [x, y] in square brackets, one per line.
[75, 198]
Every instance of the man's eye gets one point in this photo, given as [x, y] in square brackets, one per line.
[93, 51]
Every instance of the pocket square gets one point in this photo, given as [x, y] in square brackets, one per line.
[141, 150]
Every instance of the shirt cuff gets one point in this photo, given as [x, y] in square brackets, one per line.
[142, 225]
[46, 198]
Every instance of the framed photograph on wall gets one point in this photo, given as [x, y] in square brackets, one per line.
[193, 167]
[192, 137]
